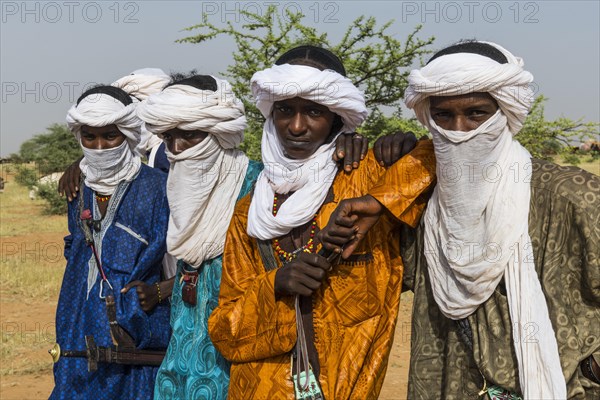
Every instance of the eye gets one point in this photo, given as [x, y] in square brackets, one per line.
[315, 112]
[283, 109]
[112, 135]
[441, 115]
[189, 135]
[87, 136]
[478, 113]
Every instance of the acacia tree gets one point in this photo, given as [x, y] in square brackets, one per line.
[375, 61]
[544, 139]
[52, 151]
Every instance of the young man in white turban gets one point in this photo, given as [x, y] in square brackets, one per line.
[118, 228]
[506, 270]
[202, 123]
[292, 324]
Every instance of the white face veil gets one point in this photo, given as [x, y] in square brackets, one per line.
[204, 180]
[310, 178]
[476, 222]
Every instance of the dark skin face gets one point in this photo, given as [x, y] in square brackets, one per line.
[101, 138]
[462, 113]
[302, 126]
[178, 140]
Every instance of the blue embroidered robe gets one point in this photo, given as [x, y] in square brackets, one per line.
[132, 245]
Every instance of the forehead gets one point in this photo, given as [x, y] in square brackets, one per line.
[478, 99]
[300, 102]
[99, 130]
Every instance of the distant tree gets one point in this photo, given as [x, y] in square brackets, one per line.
[545, 139]
[52, 151]
[374, 59]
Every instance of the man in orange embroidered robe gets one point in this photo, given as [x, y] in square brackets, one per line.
[354, 311]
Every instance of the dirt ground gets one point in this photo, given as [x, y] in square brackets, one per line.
[36, 326]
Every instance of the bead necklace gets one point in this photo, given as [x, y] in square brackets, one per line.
[309, 247]
[102, 199]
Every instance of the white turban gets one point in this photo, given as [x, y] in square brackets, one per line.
[204, 180]
[310, 178]
[219, 113]
[140, 84]
[100, 109]
[460, 73]
[327, 87]
[476, 222]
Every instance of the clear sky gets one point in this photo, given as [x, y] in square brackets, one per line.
[51, 50]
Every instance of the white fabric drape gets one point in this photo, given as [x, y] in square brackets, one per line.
[140, 84]
[204, 180]
[310, 178]
[476, 222]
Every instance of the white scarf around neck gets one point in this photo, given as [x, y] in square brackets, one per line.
[202, 188]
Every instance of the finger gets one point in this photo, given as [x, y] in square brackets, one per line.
[357, 145]
[386, 150]
[397, 141]
[365, 148]
[350, 247]
[340, 143]
[130, 285]
[314, 260]
[377, 151]
[340, 231]
[310, 277]
[410, 141]
[348, 157]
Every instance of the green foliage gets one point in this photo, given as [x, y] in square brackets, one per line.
[571, 158]
[52, 151]
[375, 60]
[26, 176]
[377, 124]
[545, 139]
[55, 203]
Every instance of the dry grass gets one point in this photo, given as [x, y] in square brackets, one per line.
[31, 270]
[587, 163]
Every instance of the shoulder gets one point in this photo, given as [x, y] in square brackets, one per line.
[153, 177]
[150, 185]
[569, 183]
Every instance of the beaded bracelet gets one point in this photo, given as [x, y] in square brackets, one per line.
[158, 290]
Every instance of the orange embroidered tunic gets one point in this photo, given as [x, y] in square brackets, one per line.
[354, 311]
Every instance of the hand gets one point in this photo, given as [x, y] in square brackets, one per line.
[390, 148]
[303, 275]
[147, 294]
[349, 224]
[351, 148]
[69, 182]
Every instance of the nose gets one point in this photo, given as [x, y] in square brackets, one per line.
[99, 145]
[297, 125]
[460, 124]
[176, 146]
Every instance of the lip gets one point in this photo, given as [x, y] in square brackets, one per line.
[297, 142]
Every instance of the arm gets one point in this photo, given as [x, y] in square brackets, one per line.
[148, 295]
[69, 181]
[403, 191]
[250, 323]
